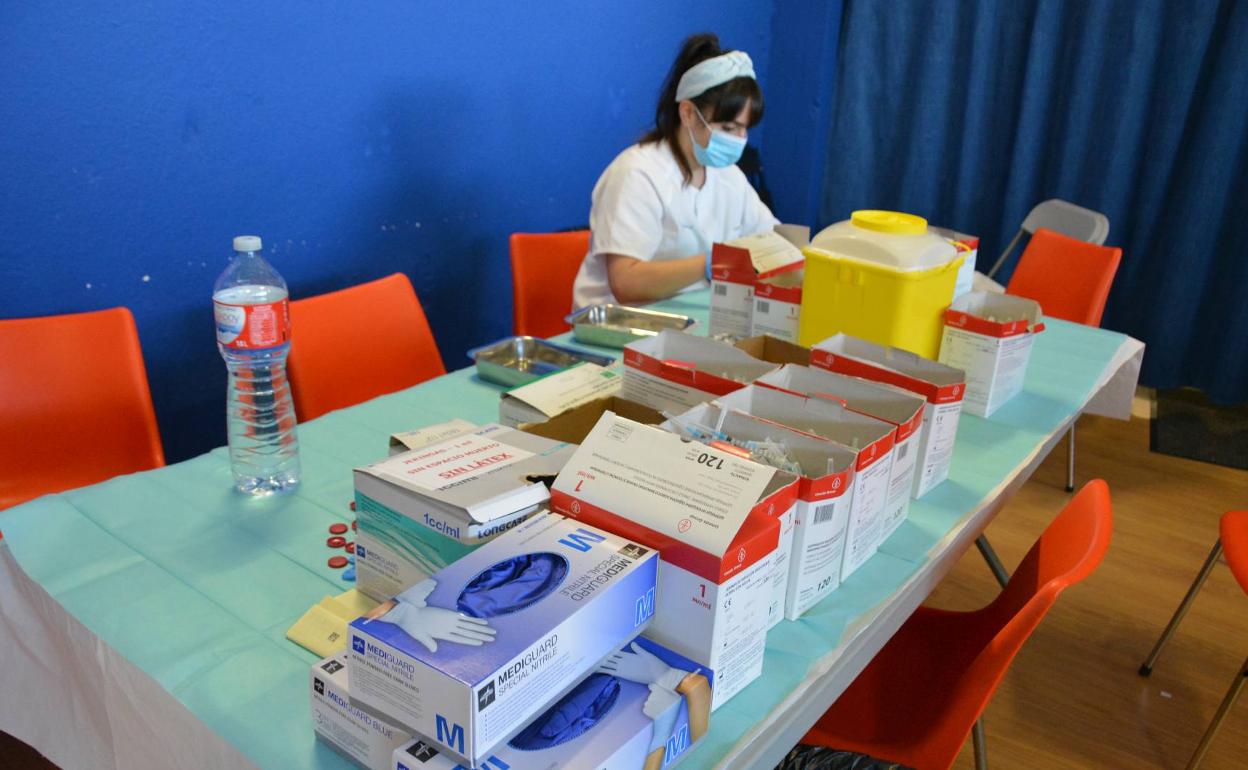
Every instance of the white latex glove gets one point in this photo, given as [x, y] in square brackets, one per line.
[663, 706]
[428, 624]
[417, 594]
[638, 665]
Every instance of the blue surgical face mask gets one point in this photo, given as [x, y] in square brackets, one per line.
[721, 151]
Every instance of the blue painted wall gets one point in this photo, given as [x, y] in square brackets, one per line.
[805, 42]
[357, 139]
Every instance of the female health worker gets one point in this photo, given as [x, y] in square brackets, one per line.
[662, 202]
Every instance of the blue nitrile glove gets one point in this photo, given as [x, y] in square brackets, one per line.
[572, 716]
[512, 585]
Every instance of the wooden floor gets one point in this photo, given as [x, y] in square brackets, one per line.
[1073, 698]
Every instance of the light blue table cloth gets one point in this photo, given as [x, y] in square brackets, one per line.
[197, 586]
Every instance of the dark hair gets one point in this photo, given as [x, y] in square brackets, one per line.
[724, 101]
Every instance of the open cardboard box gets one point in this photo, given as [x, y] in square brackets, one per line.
[736, 266]
[712, 516]
[943, 386]
[898, 407]
[870, 440]
[575, 424]
[778, 305]
[674, 371]
[989, 336]
[812, 534]
[774, 350]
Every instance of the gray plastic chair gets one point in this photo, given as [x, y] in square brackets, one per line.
[1064, 217]
[1074, 222]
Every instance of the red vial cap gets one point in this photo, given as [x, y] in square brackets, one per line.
[338, 529]
[338, 562]
[337, 541]
[350, 547]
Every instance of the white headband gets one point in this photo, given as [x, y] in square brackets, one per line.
[705, 75]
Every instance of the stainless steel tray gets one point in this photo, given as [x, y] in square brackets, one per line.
[521, 360]
[614, 326]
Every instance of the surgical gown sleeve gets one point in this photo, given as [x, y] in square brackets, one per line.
[756, 217]
[627, 215]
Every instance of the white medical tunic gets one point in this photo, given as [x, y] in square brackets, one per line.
[643, 209]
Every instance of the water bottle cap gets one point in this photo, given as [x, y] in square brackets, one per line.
[247, 243]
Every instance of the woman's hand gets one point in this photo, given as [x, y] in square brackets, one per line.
[636, 281]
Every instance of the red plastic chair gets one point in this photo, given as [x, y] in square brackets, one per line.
[75, 407]
[917, 700]
[543, 269]
[358, 343]
[1068, 277]
[1233, 541]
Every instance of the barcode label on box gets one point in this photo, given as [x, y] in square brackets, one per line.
[721, 290]
[902, 451]
[763, 306]
[824, 513]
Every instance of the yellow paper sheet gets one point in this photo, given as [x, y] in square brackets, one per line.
[320, 631]
[357, 602]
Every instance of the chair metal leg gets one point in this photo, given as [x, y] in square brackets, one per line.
[1070, 458]
[980, 744]
[1231, 695]
[994, 563]
[1001, 259]
[1147, 667]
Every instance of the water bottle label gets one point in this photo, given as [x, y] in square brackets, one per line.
[249, 327]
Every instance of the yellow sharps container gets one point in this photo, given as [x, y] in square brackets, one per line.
[880, 276]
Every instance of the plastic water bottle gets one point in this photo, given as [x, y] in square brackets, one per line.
[251, 306]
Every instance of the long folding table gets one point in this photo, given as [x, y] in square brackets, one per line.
[142, 619]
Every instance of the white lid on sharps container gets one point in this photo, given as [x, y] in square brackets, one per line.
[247, 243]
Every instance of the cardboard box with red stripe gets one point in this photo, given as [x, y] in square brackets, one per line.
[674, 371]
[736, 266]
[989, 336]
[728, 431]
[777, 306]
[899, 408]
[942, 386]
[774, 350]
[808, 561]
[713, 518]
[870, 440]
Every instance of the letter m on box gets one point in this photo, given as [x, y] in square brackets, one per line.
[581, 539]
[450, 734]
[645, 607]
